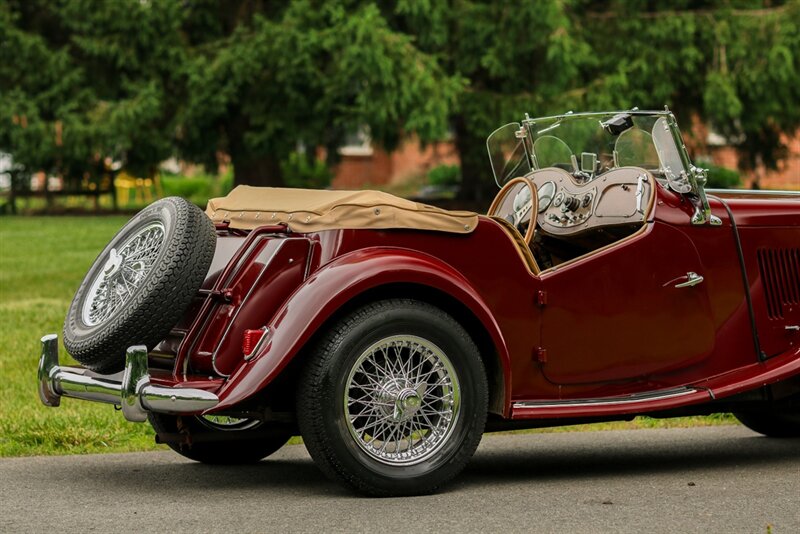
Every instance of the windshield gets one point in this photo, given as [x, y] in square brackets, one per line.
[587, 145]
[507, 153]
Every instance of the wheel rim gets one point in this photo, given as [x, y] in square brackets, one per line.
[402, 400]
[123, 272]
[227, 422]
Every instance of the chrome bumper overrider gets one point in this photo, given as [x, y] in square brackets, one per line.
[134, 393]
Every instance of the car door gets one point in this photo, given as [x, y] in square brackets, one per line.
[627, 312]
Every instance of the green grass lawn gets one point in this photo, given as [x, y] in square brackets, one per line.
[42, 262]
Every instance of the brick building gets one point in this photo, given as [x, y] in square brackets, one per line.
[365, 165]
[786, 176]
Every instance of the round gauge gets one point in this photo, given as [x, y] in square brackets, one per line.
[546, 194]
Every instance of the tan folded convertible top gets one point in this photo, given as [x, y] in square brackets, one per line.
[311, 210]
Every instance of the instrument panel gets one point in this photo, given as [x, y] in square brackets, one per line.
[568, 206]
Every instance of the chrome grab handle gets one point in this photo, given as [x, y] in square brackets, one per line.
[640, 193]
[692, 279]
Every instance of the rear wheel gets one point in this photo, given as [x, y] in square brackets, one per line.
[214, 439]
[775, 423]
[394, 400]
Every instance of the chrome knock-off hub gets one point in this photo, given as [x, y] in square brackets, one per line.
[406, 405]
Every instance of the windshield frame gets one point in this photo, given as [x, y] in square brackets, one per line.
[552, 122]
[678, 179]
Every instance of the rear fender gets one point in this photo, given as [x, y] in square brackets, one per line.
[331, 287]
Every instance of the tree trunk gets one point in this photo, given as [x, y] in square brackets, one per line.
[262, 171]
[248, 168]
[477, 183]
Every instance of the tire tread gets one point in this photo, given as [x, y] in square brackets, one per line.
[310, 414]
[158, 304]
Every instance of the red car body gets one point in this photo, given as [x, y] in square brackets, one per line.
[693, 308]
[599, 337]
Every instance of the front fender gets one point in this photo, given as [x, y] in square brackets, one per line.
[328, 289]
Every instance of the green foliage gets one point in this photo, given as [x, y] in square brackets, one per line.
[444, 175]
[721, 177]
[144, 80]
[197, 188]
[734, 66]
[301, 170]
[308, 72]
[81, 80]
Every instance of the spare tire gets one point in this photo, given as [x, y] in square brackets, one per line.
[140, 285]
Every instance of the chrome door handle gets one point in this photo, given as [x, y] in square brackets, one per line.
[692, 279]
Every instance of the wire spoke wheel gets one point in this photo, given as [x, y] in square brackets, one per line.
[402, 400]
[141, 284]
[227, 422]
[123, 273]
[220, 439]
[394, 398]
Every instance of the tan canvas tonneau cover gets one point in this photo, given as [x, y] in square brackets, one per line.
[311, 210]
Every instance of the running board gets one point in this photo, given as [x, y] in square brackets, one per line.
[639, 402]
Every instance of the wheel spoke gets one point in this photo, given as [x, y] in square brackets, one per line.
[401, 400]
[118, 279]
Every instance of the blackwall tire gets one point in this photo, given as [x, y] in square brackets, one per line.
[780, 423]
[140, 284]
[393, 400]
[245, 443]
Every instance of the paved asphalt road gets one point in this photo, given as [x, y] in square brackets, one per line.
[714, 479]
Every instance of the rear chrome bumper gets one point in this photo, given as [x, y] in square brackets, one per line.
[132, 391]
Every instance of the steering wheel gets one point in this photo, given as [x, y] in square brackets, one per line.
[517, 203]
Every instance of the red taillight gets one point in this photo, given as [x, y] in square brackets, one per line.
[250, 339]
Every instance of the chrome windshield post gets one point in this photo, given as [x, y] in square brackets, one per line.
[695, 176]
[702, 214]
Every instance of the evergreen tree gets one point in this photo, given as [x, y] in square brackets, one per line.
[82, 80]
[264, 78]
[733, 64]
[145, 79]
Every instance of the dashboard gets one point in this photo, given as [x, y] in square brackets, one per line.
[569, 206]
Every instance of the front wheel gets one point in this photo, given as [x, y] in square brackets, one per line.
[781, 422]
[394, 399]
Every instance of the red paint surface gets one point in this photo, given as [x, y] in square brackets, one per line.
[613, 324]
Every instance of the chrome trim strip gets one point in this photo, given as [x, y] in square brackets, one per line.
[633, 399]
[755, 192]
[571, 115]
[134, 393]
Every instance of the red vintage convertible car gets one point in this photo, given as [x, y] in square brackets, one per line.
[604, 283]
